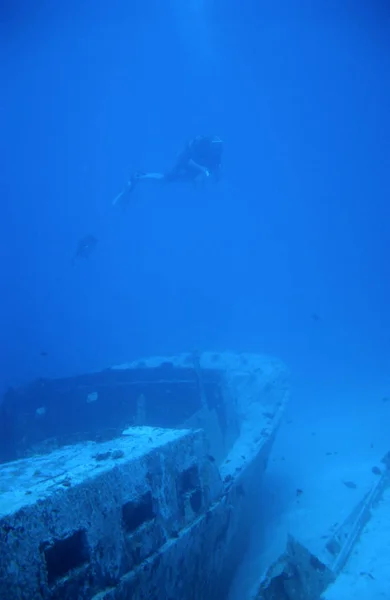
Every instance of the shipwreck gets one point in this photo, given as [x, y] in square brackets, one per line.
[135, 482]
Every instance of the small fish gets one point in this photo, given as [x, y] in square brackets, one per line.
[315, 317]
[44, 353]
[350, 484]
[84, 248]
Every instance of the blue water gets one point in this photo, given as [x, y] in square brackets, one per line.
[297, 228]
[287, 255]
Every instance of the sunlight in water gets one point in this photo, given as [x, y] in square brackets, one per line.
[194, 27]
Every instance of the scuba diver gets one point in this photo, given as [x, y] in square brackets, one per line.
[200, 158]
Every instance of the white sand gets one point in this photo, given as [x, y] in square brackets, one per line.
[354, 429]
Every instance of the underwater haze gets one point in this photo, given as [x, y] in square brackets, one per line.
[287, 254]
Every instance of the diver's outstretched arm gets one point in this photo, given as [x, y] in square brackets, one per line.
[152, 176]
